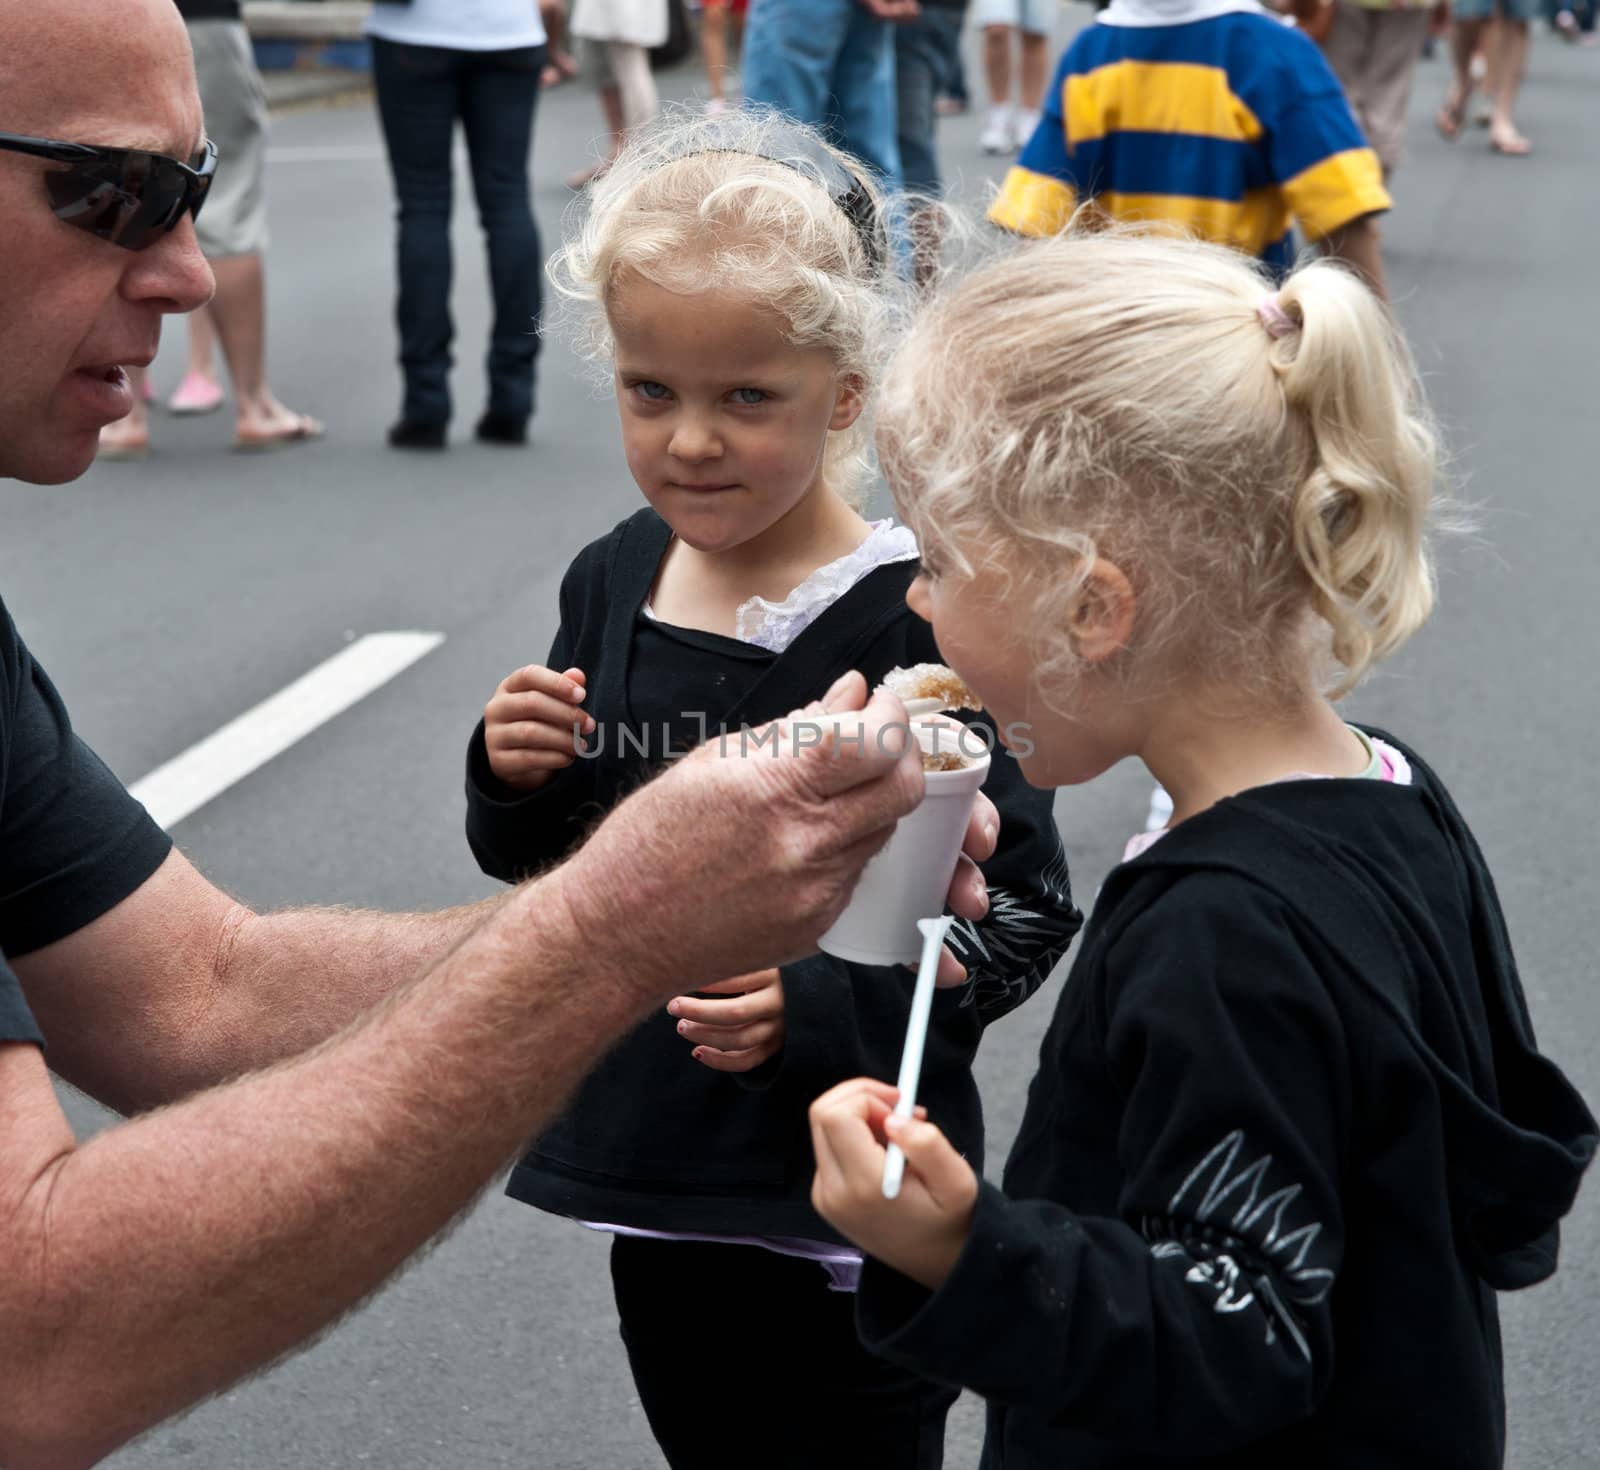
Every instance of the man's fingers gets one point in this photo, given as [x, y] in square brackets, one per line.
[847, 692]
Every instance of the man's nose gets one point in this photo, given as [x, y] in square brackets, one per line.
[172, 272]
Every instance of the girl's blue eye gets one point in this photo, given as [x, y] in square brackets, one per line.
[749, 397]
[655, 392]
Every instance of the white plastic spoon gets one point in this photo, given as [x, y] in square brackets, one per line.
[933, 933]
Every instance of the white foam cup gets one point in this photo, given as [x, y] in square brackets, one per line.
[909, 877]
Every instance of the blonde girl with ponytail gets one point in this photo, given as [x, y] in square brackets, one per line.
[1291, 1131]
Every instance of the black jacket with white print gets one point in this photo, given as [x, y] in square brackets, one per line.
[1289, 1135]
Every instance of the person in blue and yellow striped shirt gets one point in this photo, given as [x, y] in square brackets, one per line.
[1208, 114]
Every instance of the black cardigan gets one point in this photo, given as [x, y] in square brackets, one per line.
[1289, 1133]
[655, 1140]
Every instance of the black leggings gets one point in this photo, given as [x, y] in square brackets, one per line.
[744, 1358]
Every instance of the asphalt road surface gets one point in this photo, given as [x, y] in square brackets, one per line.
[168, 597]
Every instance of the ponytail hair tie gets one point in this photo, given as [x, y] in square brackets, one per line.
[1274, 318]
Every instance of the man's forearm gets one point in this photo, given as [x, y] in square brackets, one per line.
[170, 1256]
[288, 980]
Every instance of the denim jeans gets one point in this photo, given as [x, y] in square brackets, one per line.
[925, 49]
[422, 90]
[829, 63]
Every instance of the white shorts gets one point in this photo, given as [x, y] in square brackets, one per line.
[1038, 17]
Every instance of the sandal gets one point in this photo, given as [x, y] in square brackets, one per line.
[303, 431]
[1510, 142]
[1449, 117]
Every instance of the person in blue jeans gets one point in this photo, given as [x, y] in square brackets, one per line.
[435, 61]
[927, 49]
[831, 64]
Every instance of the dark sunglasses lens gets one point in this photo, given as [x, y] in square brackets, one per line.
[129, 201]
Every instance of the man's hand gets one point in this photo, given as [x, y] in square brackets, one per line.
[532, 725]
[922, 1232]
[740, 856]
[738, 1030]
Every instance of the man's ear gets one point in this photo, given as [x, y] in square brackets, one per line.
[849, 402]
[1101, 622]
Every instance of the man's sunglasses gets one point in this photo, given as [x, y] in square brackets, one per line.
[124, 195]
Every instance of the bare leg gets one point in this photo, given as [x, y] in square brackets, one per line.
[129, 438]
[239, 312]
[1000, 130]
[611, 109]
[199, 392]
[636, 87]
[1505, 80]
[997, 63]
[1464, 38]
[714, 48]
[1035, 69]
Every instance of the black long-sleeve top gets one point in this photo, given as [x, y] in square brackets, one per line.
[1290, 1132]
[654, 1140]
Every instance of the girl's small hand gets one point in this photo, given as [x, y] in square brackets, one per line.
[740, 1028]
[532, 724]
[920, 1234]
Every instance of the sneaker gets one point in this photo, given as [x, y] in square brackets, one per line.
[1567, 24]
[1027, 124]
[196, 394]
[997, 136]
[714, 105]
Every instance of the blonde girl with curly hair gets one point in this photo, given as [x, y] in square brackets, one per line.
[1290, 1131]
[732, 277]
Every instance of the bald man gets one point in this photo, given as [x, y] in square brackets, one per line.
[385, 1066]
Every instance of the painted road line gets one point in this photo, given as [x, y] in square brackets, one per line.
[187, 782]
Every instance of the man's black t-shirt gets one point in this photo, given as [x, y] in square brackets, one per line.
[73, 842]
[209, 9]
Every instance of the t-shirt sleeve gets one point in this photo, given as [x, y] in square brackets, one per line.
[1042, 189]
[1329, 176]
[73, 842]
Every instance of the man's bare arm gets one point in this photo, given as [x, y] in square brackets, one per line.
[167, 1257]
[179, 987]
[1360, 243]
[175, 1253]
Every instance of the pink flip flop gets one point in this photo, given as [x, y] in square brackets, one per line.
[195, 395]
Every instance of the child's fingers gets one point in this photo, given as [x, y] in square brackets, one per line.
[741, 984]
[528, 736]
[733, 1061]
[951, 971]
[734, 1010]
[729, 1038]
[568, 686]
[537, 709]
[947, 1176]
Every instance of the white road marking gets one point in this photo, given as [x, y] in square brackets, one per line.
[187, 782]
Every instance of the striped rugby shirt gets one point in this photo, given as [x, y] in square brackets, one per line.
[1231, 125]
